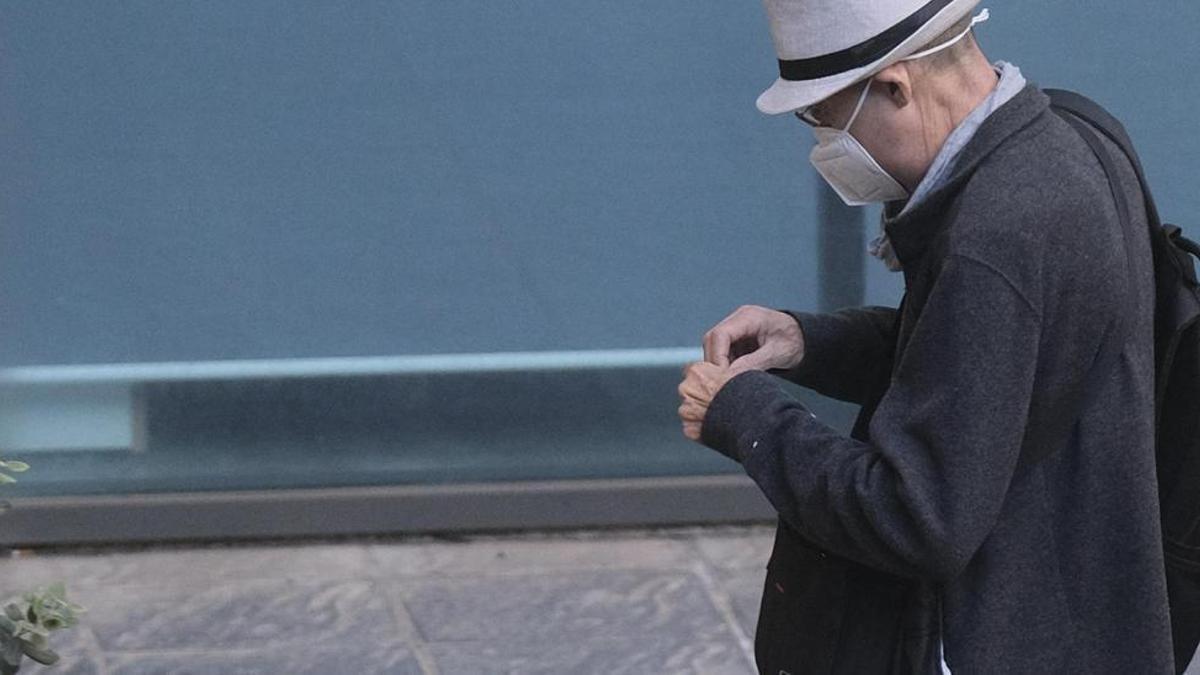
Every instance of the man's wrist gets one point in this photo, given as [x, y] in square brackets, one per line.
[798, 318]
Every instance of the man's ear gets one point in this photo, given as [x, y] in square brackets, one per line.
[897, 83]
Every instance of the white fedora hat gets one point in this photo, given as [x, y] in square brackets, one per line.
[825, 46]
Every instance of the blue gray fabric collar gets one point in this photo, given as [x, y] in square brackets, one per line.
[1011, 83]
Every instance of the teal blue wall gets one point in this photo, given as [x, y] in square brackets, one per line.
[205, 180]
[231, 179]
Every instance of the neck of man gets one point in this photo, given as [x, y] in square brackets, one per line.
[950, 95]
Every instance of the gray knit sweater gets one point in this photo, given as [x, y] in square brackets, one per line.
[1012, 269]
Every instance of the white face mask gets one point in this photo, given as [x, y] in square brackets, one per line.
[849, 169]
[847, 166]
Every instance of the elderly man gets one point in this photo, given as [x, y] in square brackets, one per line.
[972, 522]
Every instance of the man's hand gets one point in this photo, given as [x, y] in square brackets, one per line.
[755, 338]
[701, 382]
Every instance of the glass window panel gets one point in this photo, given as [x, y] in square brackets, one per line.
[258, 184]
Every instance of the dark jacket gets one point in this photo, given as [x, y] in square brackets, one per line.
[1012, 272]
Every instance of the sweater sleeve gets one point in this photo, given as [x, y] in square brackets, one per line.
[847, 353]
[921, 497]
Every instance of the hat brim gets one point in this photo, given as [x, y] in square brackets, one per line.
[788, 95]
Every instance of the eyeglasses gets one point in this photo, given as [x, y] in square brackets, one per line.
[805, 115]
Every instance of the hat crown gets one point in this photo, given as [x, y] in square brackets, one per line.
[824, 46]
[802, 29]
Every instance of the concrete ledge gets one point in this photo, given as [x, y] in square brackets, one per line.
[381, 510]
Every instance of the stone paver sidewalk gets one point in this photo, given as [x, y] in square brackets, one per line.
[680, 600]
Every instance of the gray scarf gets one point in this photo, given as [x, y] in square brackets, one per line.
[1010, 84]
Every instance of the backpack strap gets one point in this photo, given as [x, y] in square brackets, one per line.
[1099, 119]
[1054, 427]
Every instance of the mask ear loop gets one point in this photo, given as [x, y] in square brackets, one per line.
[978, 19]
[862, 98]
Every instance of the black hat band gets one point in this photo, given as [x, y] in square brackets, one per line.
[863, 53]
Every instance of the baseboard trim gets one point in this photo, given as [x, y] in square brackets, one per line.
[268, 514]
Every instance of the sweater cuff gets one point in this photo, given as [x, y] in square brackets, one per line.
[730, 423]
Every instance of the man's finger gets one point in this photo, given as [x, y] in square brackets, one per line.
[692, 387]
[695, 395]
[716, 345]
[691, 411]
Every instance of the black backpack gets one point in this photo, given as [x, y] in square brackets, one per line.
[1177, 376]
